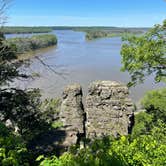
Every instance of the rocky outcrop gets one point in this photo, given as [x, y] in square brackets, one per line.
[72, 114]
[109, 109]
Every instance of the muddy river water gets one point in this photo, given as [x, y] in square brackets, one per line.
[76, 60]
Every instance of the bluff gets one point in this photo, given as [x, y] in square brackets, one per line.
[72, 114]
[108, 110]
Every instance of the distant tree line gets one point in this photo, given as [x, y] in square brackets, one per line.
[22, 30]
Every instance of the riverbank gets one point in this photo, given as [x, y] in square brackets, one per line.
[29, 44]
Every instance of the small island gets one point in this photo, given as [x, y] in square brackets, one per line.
[96, 33]
[27, 44]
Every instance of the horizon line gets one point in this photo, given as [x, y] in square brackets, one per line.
[71, 26]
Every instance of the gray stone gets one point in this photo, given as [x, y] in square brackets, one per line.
[109, 110]
[72, 114]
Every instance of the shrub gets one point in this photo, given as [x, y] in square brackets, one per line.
[155, 103]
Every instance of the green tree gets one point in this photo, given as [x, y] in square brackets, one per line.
[155, 104]
[20, 107]
[143, 124]
[13, 151]
[142, 56]
[145, 55]
[144, 150]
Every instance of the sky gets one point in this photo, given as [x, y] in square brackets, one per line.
[121, 13]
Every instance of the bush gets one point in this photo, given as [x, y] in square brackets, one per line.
[143, 124]
[12, 149]
[155, 104]
[144, 150]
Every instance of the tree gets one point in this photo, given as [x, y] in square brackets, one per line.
[21, 107]
[155, 104]
[145, 55]
[143, 124]
[13, 150]
[4, 4]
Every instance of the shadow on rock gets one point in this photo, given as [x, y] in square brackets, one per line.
[49, 142]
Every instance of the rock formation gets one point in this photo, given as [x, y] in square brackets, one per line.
[72, 114]
[109, 111]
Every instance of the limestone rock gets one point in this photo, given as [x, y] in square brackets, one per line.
[109, 109]
[72, 114]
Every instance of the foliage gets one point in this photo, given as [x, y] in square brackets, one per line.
[57, 124]
[4, 4]
[96, 154]
[65, 160]
[154, 109]
[146, 54]
[155, 103]
[50, 110]
[8, 69]
[143, 124]
[144, 150]
[22, 108]
[35, 42]
[12, 149]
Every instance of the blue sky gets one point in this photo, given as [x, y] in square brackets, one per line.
[123, 13]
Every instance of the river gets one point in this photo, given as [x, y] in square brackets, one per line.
[76, 60]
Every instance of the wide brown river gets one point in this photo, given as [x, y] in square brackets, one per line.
[76, 60]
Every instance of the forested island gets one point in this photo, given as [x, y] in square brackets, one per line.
[92, 33]
[26, 44]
